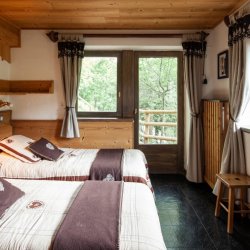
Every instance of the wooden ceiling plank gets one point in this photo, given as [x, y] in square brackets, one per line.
[58, 14]
[113, 14]
[9, 34]
[79, 4]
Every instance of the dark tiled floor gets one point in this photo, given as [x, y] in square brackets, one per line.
[186, 212]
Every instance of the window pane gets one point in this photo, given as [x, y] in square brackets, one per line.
[158, 100]
[98, 85]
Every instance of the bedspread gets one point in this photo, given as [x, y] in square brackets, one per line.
[74, 166]
[32, 222]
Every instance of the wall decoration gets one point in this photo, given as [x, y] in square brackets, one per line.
[222, 64]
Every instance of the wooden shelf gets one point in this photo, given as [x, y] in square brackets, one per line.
[15, 87]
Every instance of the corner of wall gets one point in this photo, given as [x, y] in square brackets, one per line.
[216, 43]
[4, 75]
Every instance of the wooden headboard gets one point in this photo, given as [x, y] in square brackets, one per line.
[113, 133]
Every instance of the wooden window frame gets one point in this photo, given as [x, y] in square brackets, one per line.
[117, 114]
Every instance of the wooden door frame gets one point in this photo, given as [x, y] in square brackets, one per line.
[180, 96]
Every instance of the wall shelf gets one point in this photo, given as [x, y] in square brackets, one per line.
[16, 87]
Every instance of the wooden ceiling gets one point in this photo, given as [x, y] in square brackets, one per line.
[116, 14]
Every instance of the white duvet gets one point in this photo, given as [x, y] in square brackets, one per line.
[75, 163]
[23, 227]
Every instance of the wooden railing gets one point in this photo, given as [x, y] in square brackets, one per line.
[147, 129]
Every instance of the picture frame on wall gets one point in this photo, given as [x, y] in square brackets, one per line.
[222, 64]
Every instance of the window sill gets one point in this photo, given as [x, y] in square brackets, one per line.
[246, 128]
[104, 119]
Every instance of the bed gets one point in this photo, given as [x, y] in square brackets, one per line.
[24, 228]
[74, 165]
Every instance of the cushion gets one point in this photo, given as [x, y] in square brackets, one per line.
[8, 195]
[17, 146]
[46, 149]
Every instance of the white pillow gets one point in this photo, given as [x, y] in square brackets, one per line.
[17, 146]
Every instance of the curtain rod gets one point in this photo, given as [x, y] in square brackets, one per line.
[227, 18]
[53, 35]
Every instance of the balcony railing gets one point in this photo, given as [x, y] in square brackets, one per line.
[154, 132]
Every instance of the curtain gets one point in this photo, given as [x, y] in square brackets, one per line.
[233, 158]
[70, 54]
[194, 56]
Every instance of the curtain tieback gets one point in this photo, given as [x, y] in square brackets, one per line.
[68, 108]
[231, 118]
[196, 115]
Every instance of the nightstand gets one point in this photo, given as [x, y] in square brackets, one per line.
[5, 131]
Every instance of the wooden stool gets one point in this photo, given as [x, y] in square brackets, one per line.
[232, 181]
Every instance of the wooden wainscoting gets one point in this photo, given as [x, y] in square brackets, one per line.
[93, 133]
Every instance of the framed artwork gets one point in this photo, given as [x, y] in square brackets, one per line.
[222, 64]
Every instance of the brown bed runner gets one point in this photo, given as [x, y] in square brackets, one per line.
[107, 165]
[93, 219]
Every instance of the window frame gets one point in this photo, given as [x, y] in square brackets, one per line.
[117, 114]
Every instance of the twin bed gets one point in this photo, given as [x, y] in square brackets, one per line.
[35, 219]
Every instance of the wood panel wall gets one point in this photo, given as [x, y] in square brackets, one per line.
[215, 123]
[93, 134]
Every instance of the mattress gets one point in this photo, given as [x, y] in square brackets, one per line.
[74, 165]
[24, 226]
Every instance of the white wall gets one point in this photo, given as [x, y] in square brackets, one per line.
[37, 60]
[4, 75]
[4, 70]
[216, 43]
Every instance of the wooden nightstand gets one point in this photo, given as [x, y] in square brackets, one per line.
[5, 127]
[5, 131]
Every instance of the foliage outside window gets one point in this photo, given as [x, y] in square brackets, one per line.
[158, 100]
[98, 93]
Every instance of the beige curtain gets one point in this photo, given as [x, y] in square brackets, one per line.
[194, 54]
[233, 158]
[70, 54]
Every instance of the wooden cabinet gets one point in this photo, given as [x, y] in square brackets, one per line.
[215, 123]
[5, 127]
[5, 131]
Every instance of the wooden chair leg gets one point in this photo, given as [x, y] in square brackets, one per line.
[243, 192]
[230, 218]
[218, 200]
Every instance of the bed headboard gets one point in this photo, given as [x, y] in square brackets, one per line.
[246, 139]
[114, 133]
[5, 124]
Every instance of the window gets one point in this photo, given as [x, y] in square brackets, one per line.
[158, 101]
[99, 88]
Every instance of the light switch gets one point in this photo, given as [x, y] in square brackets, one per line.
[1, 118]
